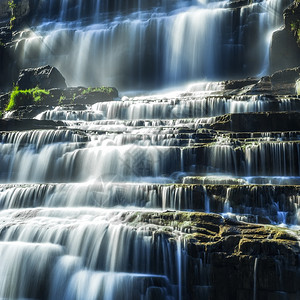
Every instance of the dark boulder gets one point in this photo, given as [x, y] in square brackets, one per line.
[45, 77]
[284, 51]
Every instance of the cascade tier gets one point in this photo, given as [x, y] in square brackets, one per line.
[119, 199]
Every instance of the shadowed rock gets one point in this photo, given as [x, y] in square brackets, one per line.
[263, 122]
[231, 258]
[28, 124]
[284, 51]
[45, 77]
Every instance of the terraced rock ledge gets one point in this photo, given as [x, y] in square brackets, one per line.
[237, 260]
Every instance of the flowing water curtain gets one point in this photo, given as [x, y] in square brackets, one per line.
[66, 257]
[133, 44]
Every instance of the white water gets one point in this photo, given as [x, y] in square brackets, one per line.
[72, 199]
[136, 44]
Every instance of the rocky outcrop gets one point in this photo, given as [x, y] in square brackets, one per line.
[279, 83]
[240, 83]
[285, 52]
[230, 260]
[45, 77]
[72, 98]
[251, 122]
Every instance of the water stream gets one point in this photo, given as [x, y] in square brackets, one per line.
[71, 197]
[143, 44]
[67, 195]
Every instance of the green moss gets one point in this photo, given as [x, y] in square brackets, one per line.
[62, 98]
[12, 6]
[295, 28]
[25, 97]
[103, 89]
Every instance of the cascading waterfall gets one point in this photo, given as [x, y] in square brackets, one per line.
[76, 200]
[71, 198]
[139, 44]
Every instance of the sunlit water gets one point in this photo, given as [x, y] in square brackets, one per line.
[70, 197]
[144, 44]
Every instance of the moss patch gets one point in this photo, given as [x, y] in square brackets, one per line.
[25, 97]
[103, 89]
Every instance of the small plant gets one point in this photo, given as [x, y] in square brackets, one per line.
[62, 98]
[295, 28]
[12, 6]
[25, 97]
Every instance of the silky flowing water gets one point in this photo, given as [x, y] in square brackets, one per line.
[140, 44]
[68, 196]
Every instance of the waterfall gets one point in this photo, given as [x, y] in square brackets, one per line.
[140, 198]
[82, 204]
[141, 44]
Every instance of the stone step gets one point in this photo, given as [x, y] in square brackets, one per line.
[258, 122]
[254, 203]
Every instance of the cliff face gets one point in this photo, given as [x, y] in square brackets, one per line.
[285, 46]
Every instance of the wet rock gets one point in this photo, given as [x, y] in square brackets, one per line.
[4, 10]
[259, 122]
[263, 86]
[284, 51]
[7, 65]
[45, 77]
[238, 84]
[297, 87]
[237, 3]
[96, 96]
[234, 259]
[4, 100]
[27, 112]
[28, 124]
[283, 82]
[73, 98]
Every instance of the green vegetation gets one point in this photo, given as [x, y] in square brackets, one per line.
[62, 98]
[295, 28]
[25, 97]
[103, 89]
[12, 6]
